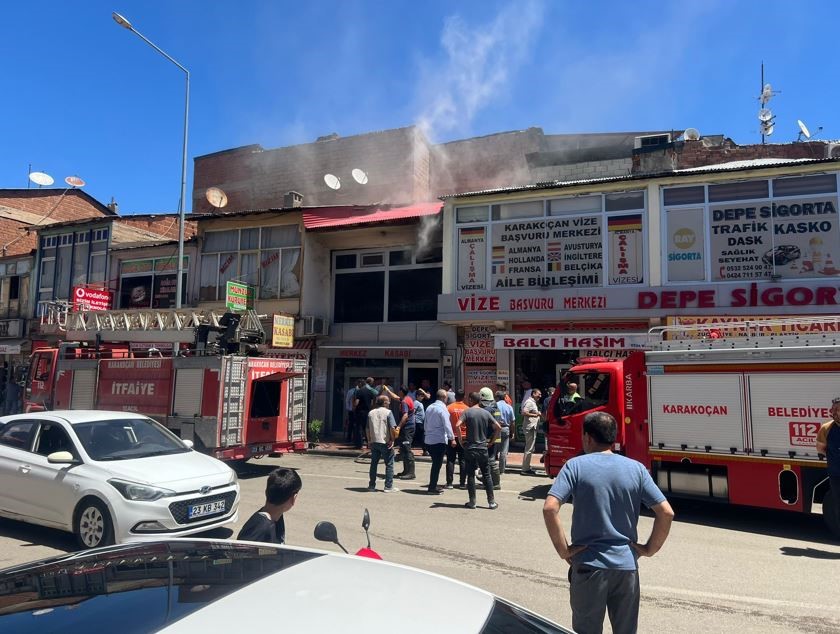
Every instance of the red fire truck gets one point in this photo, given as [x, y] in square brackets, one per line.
[231, 405]
[726, 412]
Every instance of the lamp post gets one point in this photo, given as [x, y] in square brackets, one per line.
[182, 203]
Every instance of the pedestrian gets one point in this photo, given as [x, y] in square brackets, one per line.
[488, 403]
[405, 434]
[362, 404]
[455, 454]
[267, 524]
[450, 393]
[508, 423]
[438, 436]
[501, 387]
[828, 444]
[412, 391]
[608, 491]
[530, 425]
[381, 435]
[549, 393]
[349, 416]
[420, 420]
[478, 432]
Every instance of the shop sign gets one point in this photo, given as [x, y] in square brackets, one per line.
[797, 238]
[686, 245]
[792, 297]
[698, 327]
[478, 345]
[85, 298]
[503, 377]
[472, 258]
[481, 377]
[239, 296]
[574, 341]
[283, 331]
[135, 385]
[8, 348]
[626, 249]
[11, 327]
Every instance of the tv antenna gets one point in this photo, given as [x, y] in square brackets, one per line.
[332, 181]
[216, 197]
[360, 176]
[41, 179]
[765, 115]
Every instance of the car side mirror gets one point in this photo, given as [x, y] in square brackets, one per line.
[327, 532]
[61, 457]
[188, 443]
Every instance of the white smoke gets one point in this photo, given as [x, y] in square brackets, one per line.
[480, 60]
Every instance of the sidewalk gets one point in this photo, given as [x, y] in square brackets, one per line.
[347, 450]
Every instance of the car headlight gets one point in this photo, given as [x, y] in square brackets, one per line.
[140, 492]
[233, 477]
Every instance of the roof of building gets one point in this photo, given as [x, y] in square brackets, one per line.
[332, 217]
[734, 166]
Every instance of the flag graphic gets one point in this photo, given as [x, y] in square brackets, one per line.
[625, 223]
[472, 232]
[554, 252]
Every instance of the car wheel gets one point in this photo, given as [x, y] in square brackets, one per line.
[92, 524]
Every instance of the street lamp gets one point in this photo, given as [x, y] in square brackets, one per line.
[182, 203]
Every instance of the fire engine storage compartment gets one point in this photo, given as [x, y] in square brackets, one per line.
[765, 415]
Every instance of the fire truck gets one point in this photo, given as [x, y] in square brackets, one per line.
[727, 412]
[208, 387]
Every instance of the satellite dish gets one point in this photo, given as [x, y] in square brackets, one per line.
[803, 129]
[359, 176]
[765, 115]
[767, 129]
[216, 197]
[74, 181]
[766, 93]
[332, 181]
[41, 179]
[691, 134]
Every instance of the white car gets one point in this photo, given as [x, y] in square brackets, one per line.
[184, 586]
[110, 477]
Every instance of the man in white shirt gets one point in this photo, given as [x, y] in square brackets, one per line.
[530, 423]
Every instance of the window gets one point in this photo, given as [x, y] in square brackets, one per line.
[746, 190]
[18, 434]
[151, 283]
[576, 205]
[52, 438]
[14, 288]
[532, 209]
[394, 285]
[266, 257]
[684, 195]
[624, 201]
[803, 185]
[472, 214]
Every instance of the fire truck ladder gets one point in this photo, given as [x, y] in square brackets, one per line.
[770, 340]
[152, 326]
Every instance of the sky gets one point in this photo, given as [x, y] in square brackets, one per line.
[83, 96]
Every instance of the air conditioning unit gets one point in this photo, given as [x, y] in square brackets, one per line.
[314, 326]
[651, 140]
[832, 150]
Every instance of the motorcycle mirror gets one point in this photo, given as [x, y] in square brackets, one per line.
[366, 525]
[327, 532]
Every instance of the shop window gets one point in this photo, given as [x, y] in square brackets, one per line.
[576, 205]
[746, 190]
[510, 211]
[412, 294]
[359, 297]
[345, 261]
[684, 195]
[624, 201]
[804, 185]
[372, 259]
[685, 249]
[472, 214]
[430, 255]
[399, 258]
[14, 288]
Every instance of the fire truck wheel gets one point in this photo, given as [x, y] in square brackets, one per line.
[92, 524]
[831, 514]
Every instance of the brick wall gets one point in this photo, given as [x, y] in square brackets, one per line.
[13, 234]
[254, 178]
[165, 226]
[688, 154]
[75, 205]
[583, 171]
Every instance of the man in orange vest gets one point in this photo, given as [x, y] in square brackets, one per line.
[456, 452]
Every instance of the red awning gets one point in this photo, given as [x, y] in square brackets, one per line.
[331, 217]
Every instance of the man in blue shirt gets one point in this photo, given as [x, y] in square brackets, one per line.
[608, 491]
[438, 435]
[508, 422]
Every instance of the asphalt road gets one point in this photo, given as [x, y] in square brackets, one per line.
[722, 570]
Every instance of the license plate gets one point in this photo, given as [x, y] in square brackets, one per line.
[256, 449]
[209, 508]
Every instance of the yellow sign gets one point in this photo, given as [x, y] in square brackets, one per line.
[283, 331]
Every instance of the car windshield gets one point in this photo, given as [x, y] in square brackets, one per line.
[126, 439]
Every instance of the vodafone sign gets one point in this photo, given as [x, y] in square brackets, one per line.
[91, 298]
